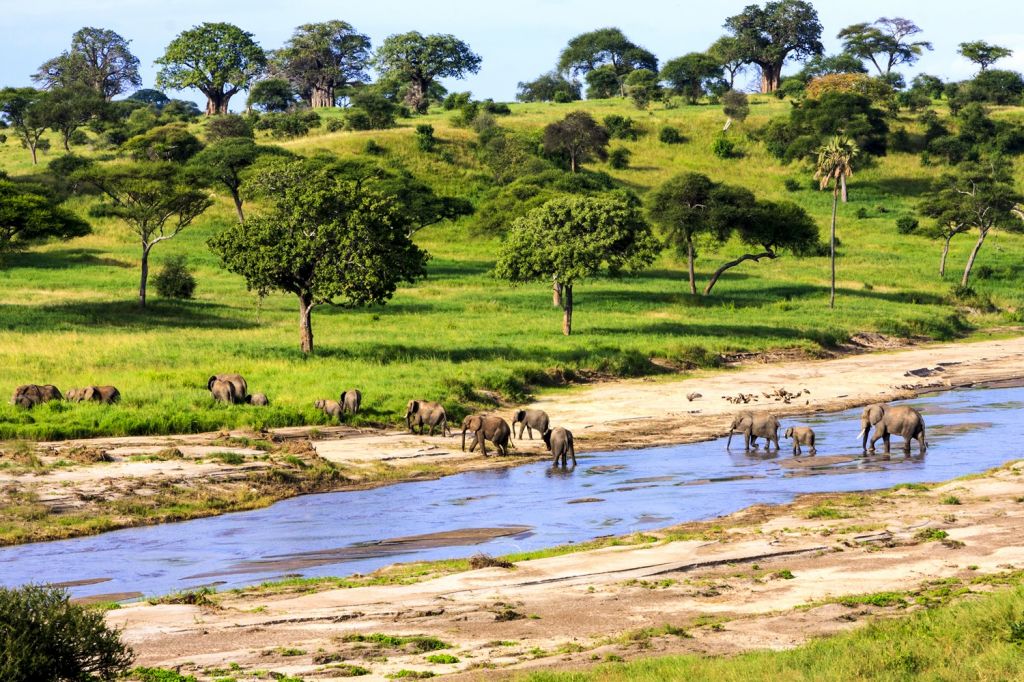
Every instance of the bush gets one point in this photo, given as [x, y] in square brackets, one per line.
[906, 224]
[456, 100]
[373, 148]
[984, 272]
[862, 213]
[670, 135]
[371, 111]
[175, 280]
[425, 139]
[621, 127]
[44, 638]
[496, 108]
[335, 125]
[171, 142]
[618, 158]
[792, 185]
[227, 125]
[723, 147]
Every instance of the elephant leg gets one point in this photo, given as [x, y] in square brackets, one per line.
[885, 439]
[483, 443]
[813, 450]
[529, 430]
[796, 448]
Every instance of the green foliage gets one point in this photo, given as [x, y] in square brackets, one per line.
[272, 95]
[618, 158]
[99, 59]
[995, 86]
[420, 643]
[736, 105]
[370, 110]
[322, 60]
[671, 135]
[549, 87]
[66, 109]
[159, 675]
[23, 110]
[415, 61]
[30, 215]
[289, 124]
[768, 36]
[884, 43]
[723, 147]
[641, 86]
[608, 51]
[442, 659]
[225, 126]
[983, 54]
[906, 224]
[44, 637]
[576, 138]
[425, 139]
[622, 127]
[813, 121]
[175, 280]
[694, 75]
[172, 142]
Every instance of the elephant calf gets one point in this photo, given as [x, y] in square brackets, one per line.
[560, 442]
[801, 435]
[487, 428]
[258, 399]
[426, 413]
[754, 426]
[332, 408]
[30, 395]
[237, 392]
[351, 400]
[529, 420]
[100, 394]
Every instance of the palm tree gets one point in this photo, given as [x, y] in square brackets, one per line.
[835, 164]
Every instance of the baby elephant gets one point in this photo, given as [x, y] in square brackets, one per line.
[529, 420]
[801, 435]
[486, 427]
[100, 394]
[258, 399]
[30, 395]
[559, 441]
[351, 400]
[332, 408]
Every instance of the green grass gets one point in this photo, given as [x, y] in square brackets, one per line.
[67, 314]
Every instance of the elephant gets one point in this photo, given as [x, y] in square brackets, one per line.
[426, 413]
[329, 407]
[801, 435]
[223, 391]
[351, 400]
[529, 420]
[754, 426]
[239, 388]
[890, 420]
[560, 442]
[486, 427]
[100, 394]
[30, 395]
[258, 399]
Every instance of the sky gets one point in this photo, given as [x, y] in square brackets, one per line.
[518, 40]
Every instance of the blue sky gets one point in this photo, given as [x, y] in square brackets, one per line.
[517, 40]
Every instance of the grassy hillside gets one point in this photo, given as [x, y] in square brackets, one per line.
[68, 317]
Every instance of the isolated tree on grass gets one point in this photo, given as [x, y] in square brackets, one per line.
[951, 219]
[326, 240]
[321, 60]
[693, 75]
[218, 59]
[99, 59]
[23, 109]
[642, 87]
[681, 207]
[416, 61]
[576, 238]
[224, 162]
[578, 137]
[885, 43]
[151, 198]
[735, 106]
[770, 35]
[609, 49]
[835, 165]
[29, 215]
[983, 54]
[726, 51]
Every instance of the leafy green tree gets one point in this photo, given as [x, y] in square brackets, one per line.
[951, 216]
[417, 61]
[577, 137]
[218, 59]
[65, 110]
[325, 239]
[99, 59]
[726, 51]
[576, 238]
[983, 54]
[886, 43]
[224, 163]
[150, 97]
[835, 165]
[371, 110]
[605, 47]
[603, 83]
[642, 87]
[735, 105]
[171, 142]
[929, 85]
[28, 214]
[152, 198]
[271, 94]
[681, 207]
[44, 637]
[825, 65]
[694, 75]
[549, 87]
[322, 60]
[770, 35]
[23, 109]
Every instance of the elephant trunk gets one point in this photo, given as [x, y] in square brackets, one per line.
[408, 421]
[463, 439]
[729, 442]
[863, 435]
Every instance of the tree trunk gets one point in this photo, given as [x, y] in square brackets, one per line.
[556, 293]
[945, 252]
[832, 247]
[734, 263]
[567, 309]
[974, 254]
[416, 96]
[66, 139]
[144, 276]
[237, 198]
[771, 75]
[32, 148]
[217, 102]
[306, 324]
[321, 97]
[572, 161]
[689, 263]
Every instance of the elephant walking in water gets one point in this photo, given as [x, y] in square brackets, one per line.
[560, 442]
[889, 420]
[754, 426]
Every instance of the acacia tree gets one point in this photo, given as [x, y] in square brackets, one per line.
[770, 35]
[835, 165]
[225, 161]
[23, 109]
[578, 137]
[681, 207]
[319, 60]
[726, 50]
[983, 54]
[28, 215]
[151, 198]
[576, 238]
[549, 87]
[885, 43]
[325, 239]
[65, 110]
[218, 59]
[605, 47]
[99, 59]
[950, 220]
[416, 61]
[694, 75]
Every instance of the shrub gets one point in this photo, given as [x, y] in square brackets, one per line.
[373, 148]
[291, 124]
[171, 142]
[175, 280]
[496, 108]
[906, 224]
[792, 185]
[425, 139]
[670, 135]
[723, 147]
[371, 110]
[455, 100]
[984, 272]
[227, 125]
[335, 125]
[44, 638]
[862, 213]
[618, 158]
[621, 127]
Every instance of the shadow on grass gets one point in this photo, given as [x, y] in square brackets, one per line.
[63, 259]
[124, 314]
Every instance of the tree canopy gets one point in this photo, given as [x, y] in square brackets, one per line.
[99, 59]
[578, 138]
[225, 161]
[24, 110]
[549, 87]
[984, 54]
[415, 62]
[770, 35]
[694, 75]
[606, 47]
[28, 214]
[272, 95]
[886, 43]
[322, 60]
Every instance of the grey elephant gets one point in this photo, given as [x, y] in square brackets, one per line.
[560, 442]
[258, 399]
[332, 408]
[223, 391]
[100, 394]
[30, 395]
[754, 426]
[351, 400]
[801, 435]
[889, 420]
[528, 420]
[240, 390]
[426, 413]
[487, 427]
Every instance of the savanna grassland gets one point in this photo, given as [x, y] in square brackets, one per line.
[68, 313]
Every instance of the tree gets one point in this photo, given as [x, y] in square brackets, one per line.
[417, 61]
[769, 36]
[694, 75]
[726, 50]
[218, 59]
[99, 59]
[271, 94]
[23, 110]
[171, 142]
[576, 238]
[224, 162]
[325, 239]
[681, 207]
[736, 106]
[321, 60]
[578, 137]
[642, 87]
[951, 218]
[152, 199]
[605, 47]
[29, 215]
[64, 110]
[835, 165]
[150, 97]
[549, 87]
[983, 54]
[885, 43]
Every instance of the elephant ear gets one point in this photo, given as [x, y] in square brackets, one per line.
[876, 412]
[89, 393]
[414, 406]
[341, 398]
[210, 382]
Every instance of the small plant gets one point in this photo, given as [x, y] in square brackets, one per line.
[931, 535]
[373, 148]
[443, 659]
[984, 272]
[862, 213]
[618, 158]
[826, 511]
[1016, 626]
[347, 670]
[232, 458]
[950, 499]
[784, 574]
[723, 147]
[906, 224]
[621, 127]
[671, 135]
[175, 280]
[335, 125]
[159, 675]
[200, 597]
[410, 675]
[916, 487]
[792, 185]
[486, 561]
[425, 139]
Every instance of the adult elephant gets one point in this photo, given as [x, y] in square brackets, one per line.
[889, 420]
[560, 442]
[30, 395]
[223, 391]
[426, 413]
[100, 394]
[351, 400]
[486, 427]
[240, 389]
[530, 420]
[754, 426]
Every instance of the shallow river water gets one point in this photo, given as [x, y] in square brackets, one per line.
[527, 507]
